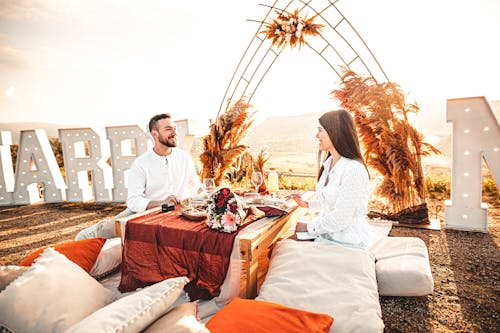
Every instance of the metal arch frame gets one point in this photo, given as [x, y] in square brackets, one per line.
[247, 78]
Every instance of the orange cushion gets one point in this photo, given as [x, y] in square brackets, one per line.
[245, 315]
[82, 252]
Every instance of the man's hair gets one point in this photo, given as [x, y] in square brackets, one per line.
[153, 123]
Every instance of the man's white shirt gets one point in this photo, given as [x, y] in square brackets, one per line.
[153, 177]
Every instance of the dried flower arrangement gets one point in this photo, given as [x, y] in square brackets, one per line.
[258, 164]
[290, 29]
[392, 146]
[221, 146]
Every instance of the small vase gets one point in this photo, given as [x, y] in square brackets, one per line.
[263, 187]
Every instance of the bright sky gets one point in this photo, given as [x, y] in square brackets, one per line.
[105, 62]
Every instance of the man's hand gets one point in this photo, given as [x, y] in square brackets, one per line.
[172, 200]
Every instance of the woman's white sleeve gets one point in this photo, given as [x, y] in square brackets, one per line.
[352, 201]
[314, 205]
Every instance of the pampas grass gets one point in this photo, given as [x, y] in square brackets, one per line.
[221, 146]
[392, 146]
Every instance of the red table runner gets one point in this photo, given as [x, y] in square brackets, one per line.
[160, 245]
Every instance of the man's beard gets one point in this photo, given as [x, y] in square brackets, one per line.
[169, 142]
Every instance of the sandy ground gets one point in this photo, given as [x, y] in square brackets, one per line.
[465, 265]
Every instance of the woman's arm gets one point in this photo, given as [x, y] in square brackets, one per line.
[352, 200]
[298, 199]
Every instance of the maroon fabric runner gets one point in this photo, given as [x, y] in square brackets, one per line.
[160, 245]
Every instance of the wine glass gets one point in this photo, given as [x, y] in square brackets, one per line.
[209, 185]
[257, 180]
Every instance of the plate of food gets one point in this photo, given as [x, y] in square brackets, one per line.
[194, 214]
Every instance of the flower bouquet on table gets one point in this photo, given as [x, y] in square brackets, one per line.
[226, 212]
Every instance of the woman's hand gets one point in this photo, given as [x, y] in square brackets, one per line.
[298, 199]
[301, 227]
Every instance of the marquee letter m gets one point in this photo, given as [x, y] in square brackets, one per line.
[476, 136]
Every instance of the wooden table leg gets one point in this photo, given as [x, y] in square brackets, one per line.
[252, 269]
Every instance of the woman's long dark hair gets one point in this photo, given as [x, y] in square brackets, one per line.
[342, 132]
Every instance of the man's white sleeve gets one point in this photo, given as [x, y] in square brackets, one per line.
[136, 198]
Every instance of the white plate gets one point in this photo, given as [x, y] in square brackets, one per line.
[194, 214]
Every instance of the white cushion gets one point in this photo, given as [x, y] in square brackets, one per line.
[322, 278]
[135, 312]
[390, 247]
[379, 229]
[104, 228]
[403, 267]
[53, 294]
[181, 319]
[9, 274]
[109, 259]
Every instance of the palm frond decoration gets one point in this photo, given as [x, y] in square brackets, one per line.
[262, 158]
[221, 146]
[392, 146]
[290, 29]
[241, 168]
[258, 164]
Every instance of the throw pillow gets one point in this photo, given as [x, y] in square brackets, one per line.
[244, 315]
[135, 312]
[9, 274]
[109, 259]
[83, 252]
[181, 319]
[52, 295]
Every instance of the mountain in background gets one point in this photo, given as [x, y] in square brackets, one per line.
[286, 134]
[298, 133]
[16, 128]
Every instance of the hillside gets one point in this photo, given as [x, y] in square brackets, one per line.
[286, 134]
[16, 128]
[297, 133]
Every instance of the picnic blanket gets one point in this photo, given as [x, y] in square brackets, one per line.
[160, 245]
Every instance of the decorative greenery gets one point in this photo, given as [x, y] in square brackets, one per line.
[221, 147]
[240, 169]
[258, 164]
[392, 146]
[262, 158]
[290, 29]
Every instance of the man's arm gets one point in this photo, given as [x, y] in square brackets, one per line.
[171, 199]
[136, 199]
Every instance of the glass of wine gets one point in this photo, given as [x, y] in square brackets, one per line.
[257, 180]
[209, 185]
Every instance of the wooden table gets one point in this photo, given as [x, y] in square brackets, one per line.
[252, 242]
[253, 245]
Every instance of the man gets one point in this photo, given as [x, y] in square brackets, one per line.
[163, 175]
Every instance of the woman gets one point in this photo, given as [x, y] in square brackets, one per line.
[343, 187]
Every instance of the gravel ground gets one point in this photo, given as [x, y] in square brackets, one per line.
[465, 265]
